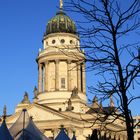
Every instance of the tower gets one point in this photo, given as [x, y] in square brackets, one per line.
[60, 99]
[61, 67]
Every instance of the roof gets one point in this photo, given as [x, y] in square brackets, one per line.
[74, 137]
[61, 23]
[107, 110]
[62, 135]
[31, 132]
[24, 127]
[4, 132]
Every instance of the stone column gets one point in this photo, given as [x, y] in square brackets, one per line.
[117, 137]
[107, 136]
[125, 137]
[40, 78]
[56, 75]
[69, 75]
[79, 77]
[55, 132]
[46, 77]
[102, 134]
[121, 137]
[83, 78]
[112, 136]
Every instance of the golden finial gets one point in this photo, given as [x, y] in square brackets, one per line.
[4, 112]
[61, 4]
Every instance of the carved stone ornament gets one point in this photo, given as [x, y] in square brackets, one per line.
[74, 93]
[70, 107]
[25, 99]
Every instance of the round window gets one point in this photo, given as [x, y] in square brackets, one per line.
[71, 41]
[62, 41]
[53, 41]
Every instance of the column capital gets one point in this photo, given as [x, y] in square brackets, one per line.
[40, 64]
[46, 62]
[57, 60]
[69, 61]
[83, 63]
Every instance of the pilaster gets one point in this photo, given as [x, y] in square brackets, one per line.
[83, 78]
[40, 78]
[56, 75]
[79, 77]
[46, 76]
[69, 75]
[117, 137]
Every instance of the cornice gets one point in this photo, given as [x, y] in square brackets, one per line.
[61, 34]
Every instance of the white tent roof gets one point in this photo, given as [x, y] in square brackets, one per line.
[62, 135]
[4, 132]
[24, 127]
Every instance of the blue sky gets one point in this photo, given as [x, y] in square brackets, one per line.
[22, 25]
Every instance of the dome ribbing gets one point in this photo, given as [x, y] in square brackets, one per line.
[61, 23]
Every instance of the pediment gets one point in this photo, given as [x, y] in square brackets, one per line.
[39, 113]
[43, 113]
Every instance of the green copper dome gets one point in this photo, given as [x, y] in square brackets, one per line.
[61, 23]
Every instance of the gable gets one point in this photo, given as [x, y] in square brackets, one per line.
[38, 113]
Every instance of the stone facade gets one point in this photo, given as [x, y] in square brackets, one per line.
[136, 120]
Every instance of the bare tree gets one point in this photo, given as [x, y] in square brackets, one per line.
[107, 27]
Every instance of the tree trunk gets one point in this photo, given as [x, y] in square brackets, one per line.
[127, 113]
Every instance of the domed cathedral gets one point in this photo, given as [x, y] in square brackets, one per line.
[60, 99]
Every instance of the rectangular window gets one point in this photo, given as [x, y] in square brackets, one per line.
[62, 82]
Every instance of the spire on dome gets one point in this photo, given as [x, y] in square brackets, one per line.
[61, 4]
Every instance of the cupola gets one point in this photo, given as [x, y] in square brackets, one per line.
[61, 23]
